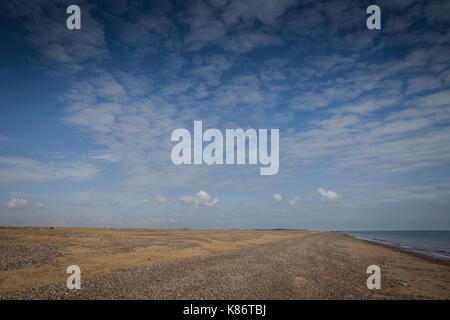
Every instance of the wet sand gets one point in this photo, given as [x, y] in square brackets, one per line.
[209, 264]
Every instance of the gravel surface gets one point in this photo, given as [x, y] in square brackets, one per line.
[311, 267]
[15, 255]
[129, 244]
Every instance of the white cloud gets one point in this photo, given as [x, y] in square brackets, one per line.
[229, 24]
[205, 200]
[437, 11]
[435, 100]
[46, 30]
[422, 83]
[328, 195]
[144, 202]
[238, 11]
[102, 156]
[187, 200]
[17, 203]
[22, 169]
[294, 200]
[39, 205]
[112, 203]
[277, 197]
[247, 41]
[159, 199]
[403, 140]
[100, 118]
[202, 198]
[3, 138]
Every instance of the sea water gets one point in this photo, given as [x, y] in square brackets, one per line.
[431, 243]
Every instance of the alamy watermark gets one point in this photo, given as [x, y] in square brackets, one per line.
[189, 150]
[73, 22]
[374, 281]
[74, 280]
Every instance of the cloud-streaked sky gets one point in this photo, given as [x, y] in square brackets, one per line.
[86, 115]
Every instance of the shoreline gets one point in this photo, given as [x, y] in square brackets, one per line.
[386, 244]
[428, 258]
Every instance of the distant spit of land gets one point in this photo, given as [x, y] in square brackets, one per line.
[209, 264]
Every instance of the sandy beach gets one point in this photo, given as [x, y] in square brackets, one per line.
[209, 264]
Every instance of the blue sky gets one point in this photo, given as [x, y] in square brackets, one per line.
[86, 115]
